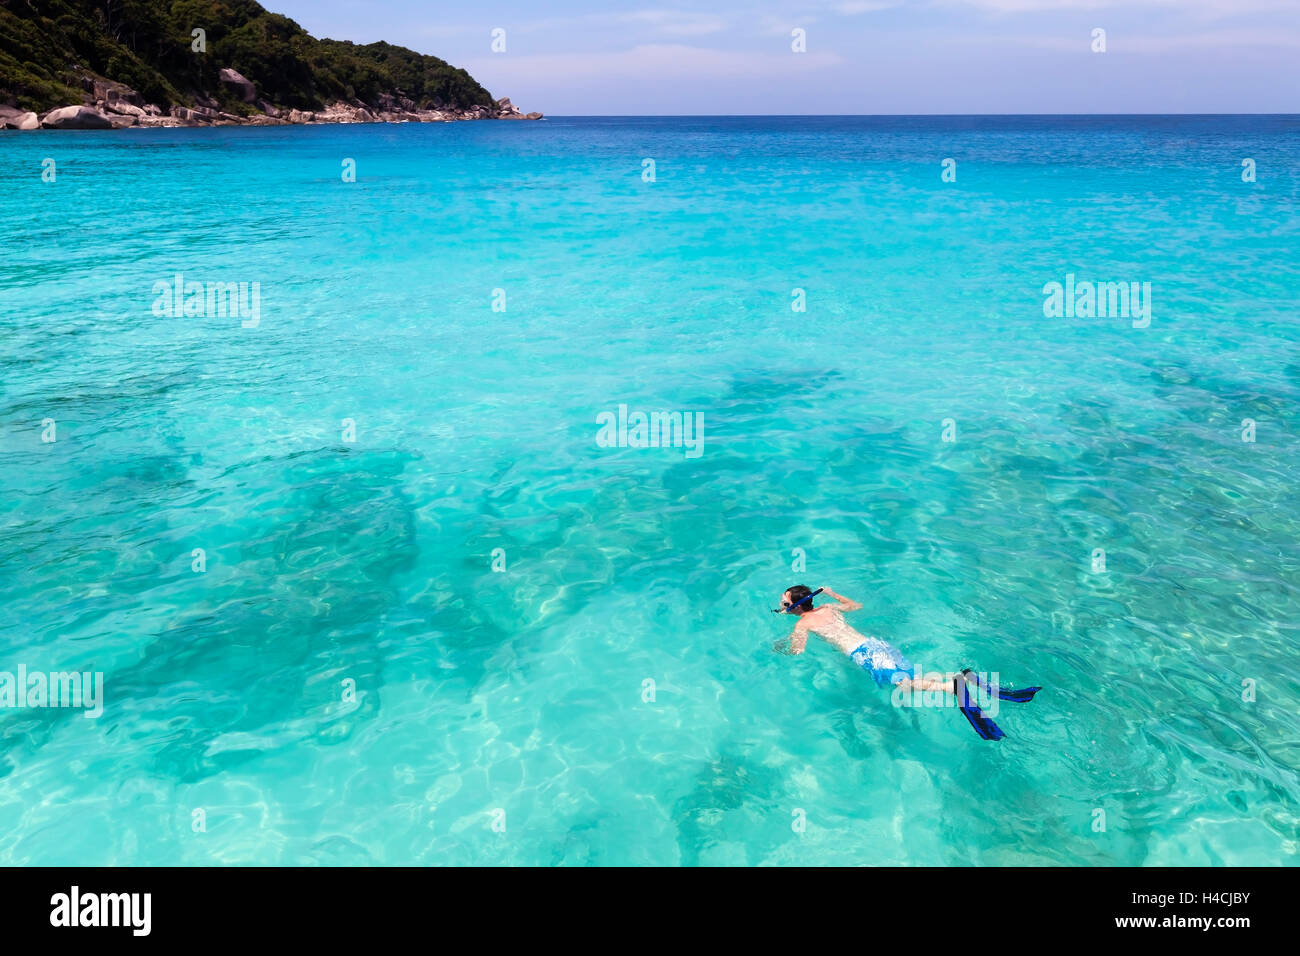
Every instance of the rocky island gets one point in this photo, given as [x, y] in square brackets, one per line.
[82, 64]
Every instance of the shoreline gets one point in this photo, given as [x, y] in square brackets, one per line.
[111, 105]
[181, 117]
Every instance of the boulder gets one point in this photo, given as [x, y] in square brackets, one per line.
[196, 115]
[108, 92]
[341, 112]
[298, 116]
[126, 109]
[334, 113]
[121, 121]
[13, 118]
[76, 117]
[505, 104]
[532, 116]
[124, 95]
[239, 83]
[267, 108]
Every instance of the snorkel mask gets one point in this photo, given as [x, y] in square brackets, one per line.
[802, 600]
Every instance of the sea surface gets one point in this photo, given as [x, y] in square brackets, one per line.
[365, 588]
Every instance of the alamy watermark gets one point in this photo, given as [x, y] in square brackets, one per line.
[982, 690]
[651, 430]
[82, 689]
[181, 299]
[75, 908]
[1087, 300]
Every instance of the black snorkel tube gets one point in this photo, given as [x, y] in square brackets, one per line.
[803, 600]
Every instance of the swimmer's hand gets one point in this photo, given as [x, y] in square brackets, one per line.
[845, 604]
[798, 638]
[788, 647]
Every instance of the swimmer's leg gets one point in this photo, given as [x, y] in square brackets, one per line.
[952, 684]
[944, 683]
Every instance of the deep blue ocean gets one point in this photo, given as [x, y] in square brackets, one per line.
[365, 585]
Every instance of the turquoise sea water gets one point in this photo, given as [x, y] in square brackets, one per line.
[517, 698]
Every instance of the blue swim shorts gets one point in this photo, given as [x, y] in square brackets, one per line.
[885, 664]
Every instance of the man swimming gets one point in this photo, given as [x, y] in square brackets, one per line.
[884, 662]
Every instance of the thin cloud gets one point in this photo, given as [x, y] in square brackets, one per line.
[1117, 42]
[650, 62]
[676, 22]
[855, 8]
[775, 26]
[1202, 9]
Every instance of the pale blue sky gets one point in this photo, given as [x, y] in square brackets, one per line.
[570, 57]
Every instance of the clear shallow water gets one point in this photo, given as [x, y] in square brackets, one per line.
[522, 690]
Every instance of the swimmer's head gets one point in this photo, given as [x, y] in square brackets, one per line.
[792, 597]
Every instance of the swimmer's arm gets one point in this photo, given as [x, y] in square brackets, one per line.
[845, 604]
[798, 638]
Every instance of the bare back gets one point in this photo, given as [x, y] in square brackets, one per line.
[828, 623]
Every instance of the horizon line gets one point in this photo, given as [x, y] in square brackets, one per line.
[873, 115]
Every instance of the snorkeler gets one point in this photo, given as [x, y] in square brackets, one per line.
[884, 662]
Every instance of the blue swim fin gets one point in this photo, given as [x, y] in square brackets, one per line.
[981, 722]
[1022, 695]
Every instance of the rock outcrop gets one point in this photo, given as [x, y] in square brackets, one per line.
[158, 121]
[126, 109]
[194, 116]
[239, 84]
[112, 105]
[13, 118]
[122, 96]
[75, 117]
